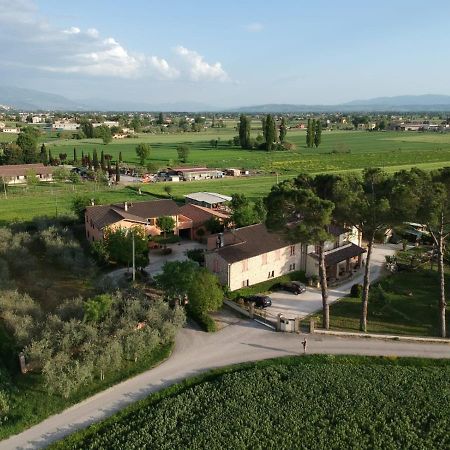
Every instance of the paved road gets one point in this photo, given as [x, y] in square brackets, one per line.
[302, 305]
[196, 352]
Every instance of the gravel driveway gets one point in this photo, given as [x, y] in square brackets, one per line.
[302, 305]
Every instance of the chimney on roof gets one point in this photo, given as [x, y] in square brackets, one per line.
[125, 206]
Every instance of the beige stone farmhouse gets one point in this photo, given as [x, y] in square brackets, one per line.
[189, 219]
[252, 254]
[127, 215]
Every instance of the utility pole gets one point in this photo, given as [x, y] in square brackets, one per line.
[134, 262]
[4, 186]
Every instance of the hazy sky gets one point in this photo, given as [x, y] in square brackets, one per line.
[228, 53]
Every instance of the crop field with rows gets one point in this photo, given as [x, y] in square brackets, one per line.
[311, 402]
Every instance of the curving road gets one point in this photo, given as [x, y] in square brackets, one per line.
[196, 352]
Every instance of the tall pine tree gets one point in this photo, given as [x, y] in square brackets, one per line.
[102, 161]
[244, 131]
[308, 133]
[95, 159]
[117, 172]
[318, 133]
[75, 158]
[271, 133]
[43, 155]
[283, 130]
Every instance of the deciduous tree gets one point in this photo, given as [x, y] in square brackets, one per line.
[143, 153]
[183, 153]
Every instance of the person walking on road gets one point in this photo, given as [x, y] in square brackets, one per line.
[304, 346]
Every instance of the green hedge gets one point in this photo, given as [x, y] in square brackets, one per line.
[171, 239]
[267, 286]
[205, 321]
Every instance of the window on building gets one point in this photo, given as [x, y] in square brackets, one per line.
[271, 274]
[245, 265]
[291, 267]
[245, 283]
[292, 250]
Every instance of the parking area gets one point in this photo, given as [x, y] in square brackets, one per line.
[292, 306]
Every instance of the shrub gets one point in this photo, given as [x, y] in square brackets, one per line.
[356, 291]
[171, 239]
[197, 255]
[205, 321]
[268, 285]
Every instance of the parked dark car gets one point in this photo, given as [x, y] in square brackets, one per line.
[260, 301]
[293, 286]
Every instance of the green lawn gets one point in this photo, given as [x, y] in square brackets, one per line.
[52, 200]
[311, 402]
[407, 304]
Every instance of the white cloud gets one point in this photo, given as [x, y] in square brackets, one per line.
[198, 68]
[163, 69]
[254, 27]
[28, 40]
[92, 32]
[72, 30]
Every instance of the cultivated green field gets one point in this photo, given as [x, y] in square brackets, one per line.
[313, 402]
[340, 150]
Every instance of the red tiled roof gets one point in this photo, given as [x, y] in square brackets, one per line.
[104, 215]
[15, 170]
[251, 241]
[199, 214]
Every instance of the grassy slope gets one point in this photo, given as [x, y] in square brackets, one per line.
[291, 402]
[411, 307]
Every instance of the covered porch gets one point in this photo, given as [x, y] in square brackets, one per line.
[341, 263]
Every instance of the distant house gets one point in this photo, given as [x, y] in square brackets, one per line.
[12, 130]
[210, 200]
[17, 173]
[127, 215]
[196, 173]
[66, 126]
[233, 172]
[200, 215]
[252, 254]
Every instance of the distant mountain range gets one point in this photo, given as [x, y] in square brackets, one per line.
[32, 100]
[401, 103]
